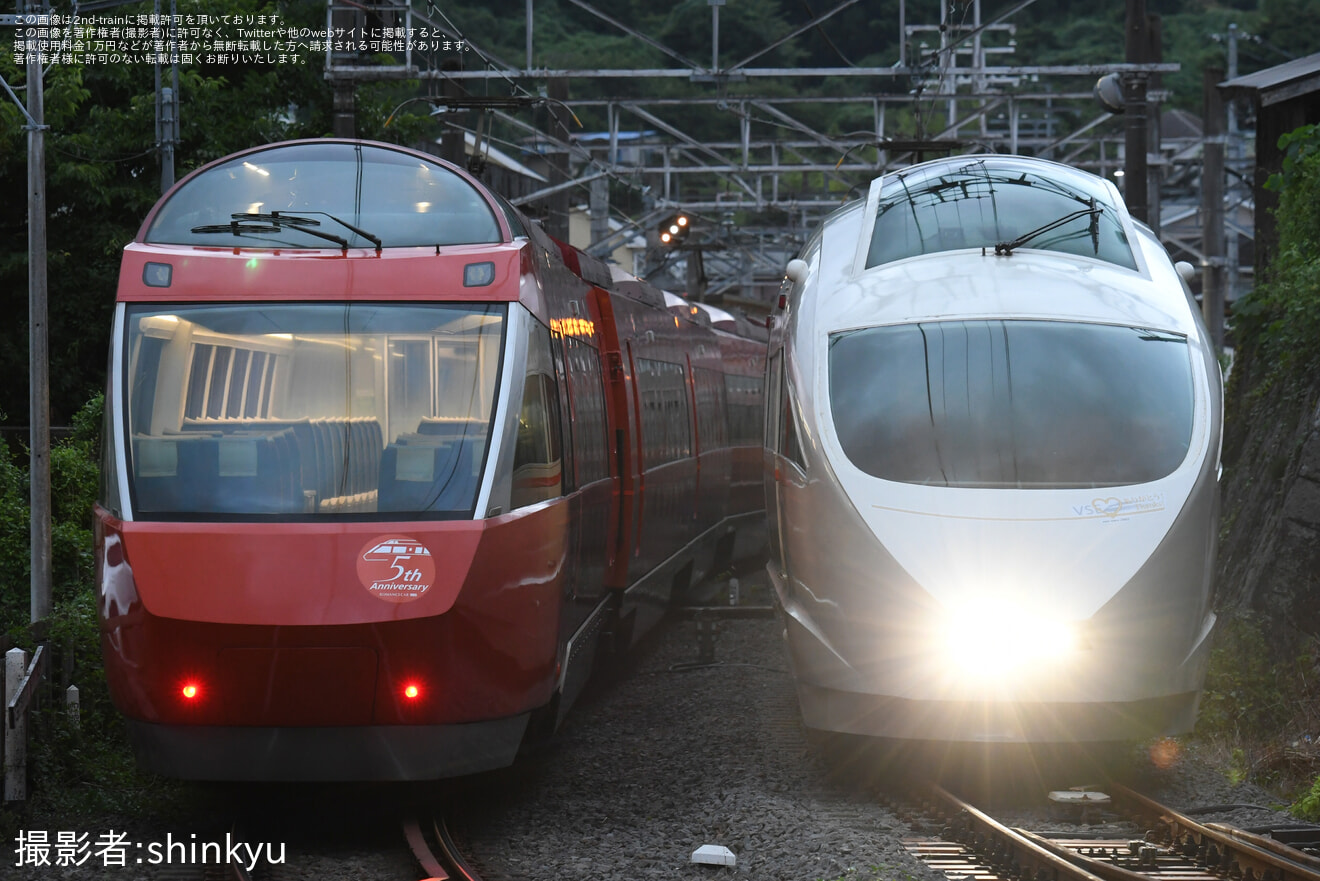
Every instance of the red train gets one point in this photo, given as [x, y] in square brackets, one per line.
[386, 466]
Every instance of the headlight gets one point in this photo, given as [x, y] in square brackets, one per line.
[990, 642]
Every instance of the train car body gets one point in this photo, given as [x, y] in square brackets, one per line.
[993, 436]
[386, 465]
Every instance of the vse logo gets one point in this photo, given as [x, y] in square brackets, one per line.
[396, 568]
[1112, 506]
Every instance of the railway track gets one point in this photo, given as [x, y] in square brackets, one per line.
[436, 851]
[975, 846]
[309, 847]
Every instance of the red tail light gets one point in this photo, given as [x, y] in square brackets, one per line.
[412, 691]
[191, 691]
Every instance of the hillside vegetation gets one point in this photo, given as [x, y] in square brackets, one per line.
[1263, 696]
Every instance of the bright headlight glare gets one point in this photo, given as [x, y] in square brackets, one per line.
[988, 642]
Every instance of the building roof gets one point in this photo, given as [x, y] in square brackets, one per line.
[1292, 79]
[1178, 124]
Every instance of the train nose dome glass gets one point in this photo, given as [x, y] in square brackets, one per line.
[956, 204]
[325, 195]
[309, 409]
[1012, 404]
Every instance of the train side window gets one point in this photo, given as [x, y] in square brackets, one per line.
[712, 431]
[589, 449]
[537, 458]
[666, 411]
[746, 417]
[225, 382]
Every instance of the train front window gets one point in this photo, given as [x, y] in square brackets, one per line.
[1012, 404]
[324, 195]
[369, 410]
[980, 203]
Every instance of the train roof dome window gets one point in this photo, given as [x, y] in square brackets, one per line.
[478, 275]
[157, 275]
[404, 200]
[967, 203]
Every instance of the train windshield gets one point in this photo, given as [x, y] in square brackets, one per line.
[325, 195]
[1012, 404]
[948, 206]
[313, 409]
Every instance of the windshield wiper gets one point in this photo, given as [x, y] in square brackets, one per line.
[250, 223]
[1003, 249]
[298, 218]
[275, 221]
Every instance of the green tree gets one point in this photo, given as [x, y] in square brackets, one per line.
[1280, 319]
[103, 176]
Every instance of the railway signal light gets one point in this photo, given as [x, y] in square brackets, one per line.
[675, 229]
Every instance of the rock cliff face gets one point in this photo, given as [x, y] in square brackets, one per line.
[1269, 551]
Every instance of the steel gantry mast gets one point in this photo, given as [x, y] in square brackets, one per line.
[774, 172]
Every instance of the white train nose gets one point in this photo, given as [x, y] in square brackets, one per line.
[993, 418]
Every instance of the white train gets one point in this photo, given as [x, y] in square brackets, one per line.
[993, 441]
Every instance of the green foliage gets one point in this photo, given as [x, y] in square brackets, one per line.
[74, 478]
[1246, 697]
[103, 176]
[1308, 806]
[1288, 29]
[14, 577]
[87, 768]
[1281, 317]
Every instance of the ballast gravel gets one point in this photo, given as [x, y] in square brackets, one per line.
[676, 755]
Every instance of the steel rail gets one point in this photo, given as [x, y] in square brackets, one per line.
[1254, 861]
[1266, 843]
[1106, 870]
[412, 831]
[1025, 857]
[452, 855]
[444, 863]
